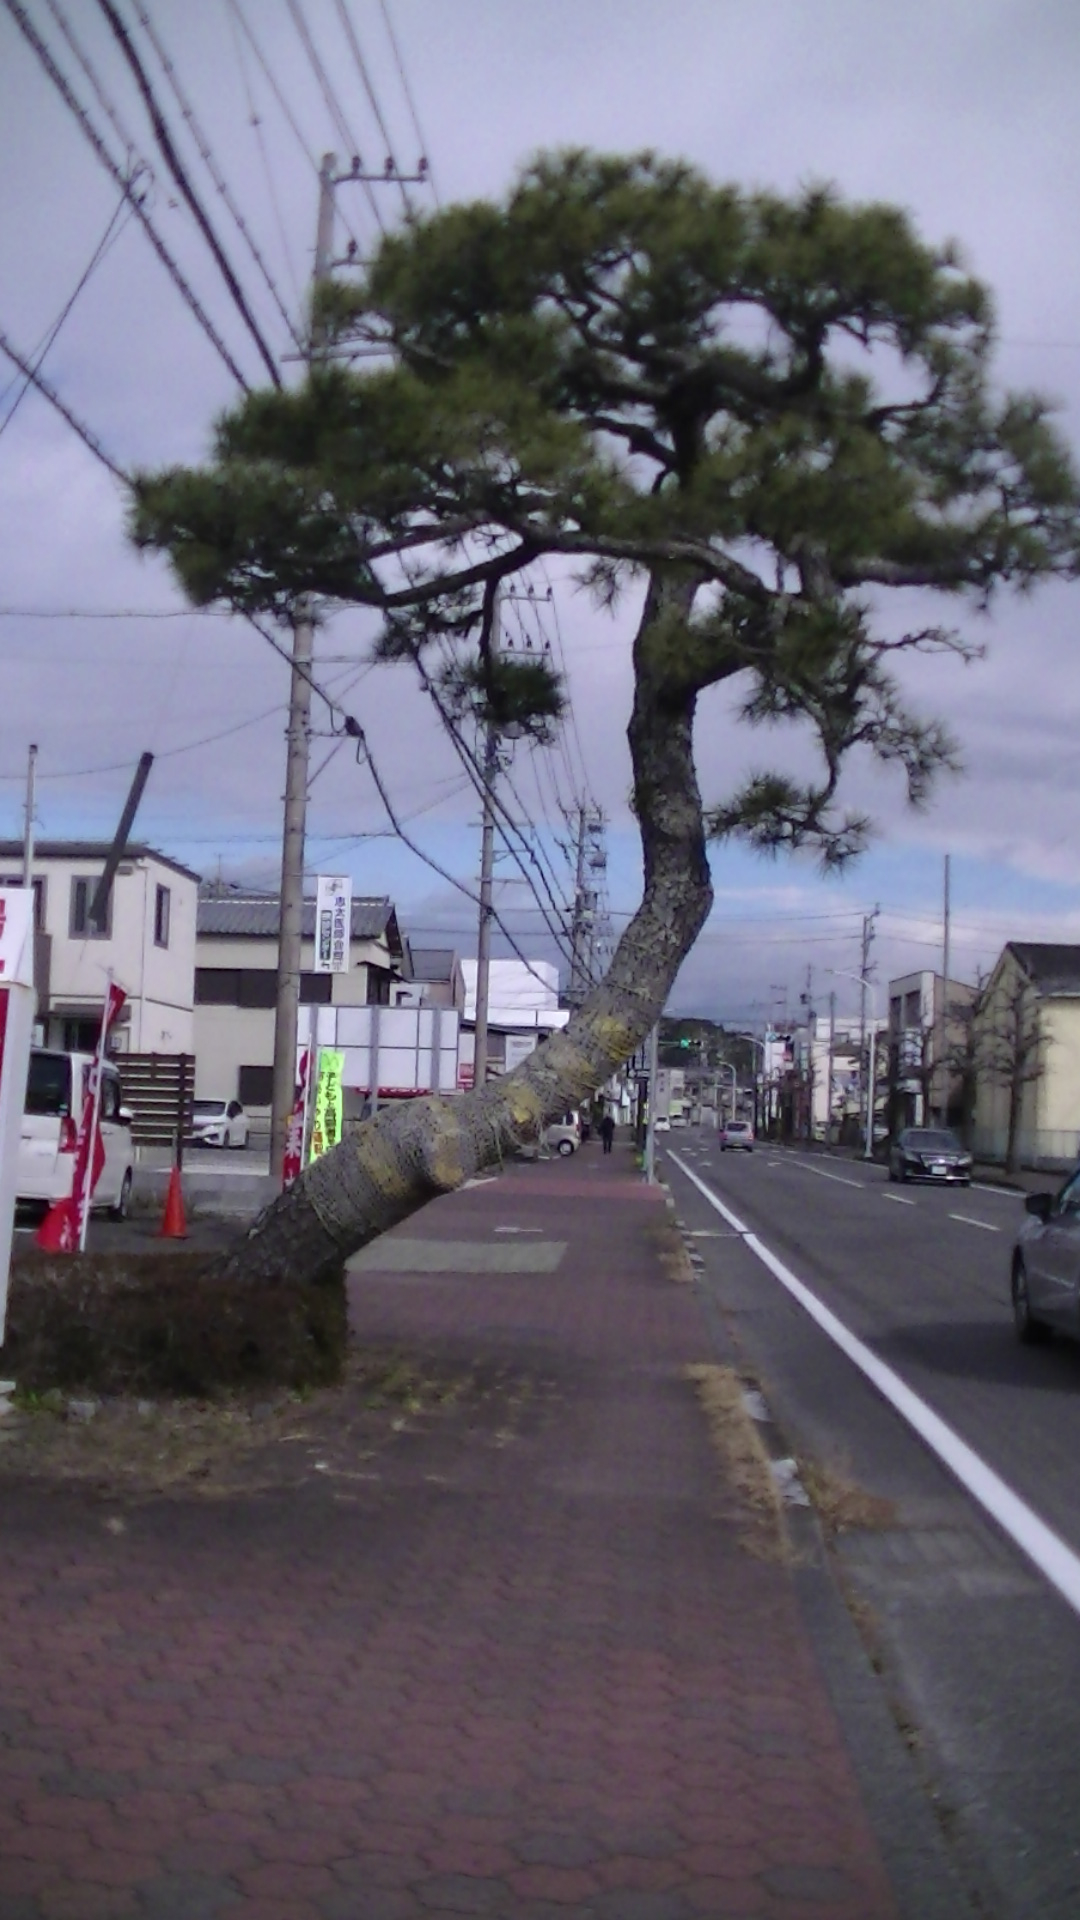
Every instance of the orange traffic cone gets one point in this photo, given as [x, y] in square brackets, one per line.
[174, 1223]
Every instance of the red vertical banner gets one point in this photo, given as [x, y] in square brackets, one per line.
[63, 1229]
[293, 1158]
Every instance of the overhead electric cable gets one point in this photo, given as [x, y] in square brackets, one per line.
[256, 125]
[86, 435]
[365, 79]
[180, 175]
[44, 348]
[22, 20]
[425, 154]
[333, 105]
[241, 21]
[124, 135]
[202, 142]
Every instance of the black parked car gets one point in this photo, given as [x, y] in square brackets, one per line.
[930, 1153]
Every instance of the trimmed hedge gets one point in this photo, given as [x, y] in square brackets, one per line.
[165, 1323]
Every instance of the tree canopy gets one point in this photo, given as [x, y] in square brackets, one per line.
[767, 411]
[783, 404]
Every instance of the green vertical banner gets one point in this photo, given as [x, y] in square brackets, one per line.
[326, 1121]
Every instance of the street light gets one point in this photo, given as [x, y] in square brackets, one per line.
[870, 986]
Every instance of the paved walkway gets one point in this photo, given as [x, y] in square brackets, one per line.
[523, 1666]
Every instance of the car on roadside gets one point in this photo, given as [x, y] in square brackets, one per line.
[218, 1123]
[735, 1136]
[55, 1090]
[563, 1136]
[930, 1153]
[661, 1124]
[1045, 1281]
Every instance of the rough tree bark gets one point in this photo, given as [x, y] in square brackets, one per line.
[406, 1155]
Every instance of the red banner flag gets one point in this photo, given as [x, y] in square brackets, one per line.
[293, 1158]
[63, 1229]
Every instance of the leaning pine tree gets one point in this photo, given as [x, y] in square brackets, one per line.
[758, 413]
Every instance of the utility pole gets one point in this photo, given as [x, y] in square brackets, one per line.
[650, 1129]
[298, 744]
[942, 1064]
[832, 1059]
[28, 829]
[589, 853]
[866, 1093]
[487, 868]
[807, 1000]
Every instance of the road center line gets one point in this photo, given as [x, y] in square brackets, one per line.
[970, 1222]
[901, 1199]
[1044, 1548]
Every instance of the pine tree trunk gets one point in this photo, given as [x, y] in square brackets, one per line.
[407, 1154]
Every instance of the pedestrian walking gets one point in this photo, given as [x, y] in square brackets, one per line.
[607, 1131]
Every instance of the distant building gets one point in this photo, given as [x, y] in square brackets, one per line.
[523, 1006]
[147, 943]
[1027, 1056]
[926, 1043]
[435, 979]
[236, 958]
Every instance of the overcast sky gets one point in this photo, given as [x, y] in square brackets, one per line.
[964, 111]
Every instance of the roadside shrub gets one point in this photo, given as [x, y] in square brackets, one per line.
[165, 1323]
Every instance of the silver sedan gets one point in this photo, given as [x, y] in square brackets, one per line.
[1046, 1265]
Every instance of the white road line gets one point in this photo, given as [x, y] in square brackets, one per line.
[970, 1222]
[838, 1177]
[1000, 1193]
[901, 1199]
[1045, 1549]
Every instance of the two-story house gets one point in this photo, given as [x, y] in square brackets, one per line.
[147, 943]
[236, 962]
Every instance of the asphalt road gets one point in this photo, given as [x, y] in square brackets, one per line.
[980, 1656]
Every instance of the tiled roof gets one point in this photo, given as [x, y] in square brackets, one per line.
[434, 964]
[92, 851]
[258, 917]
[1053, 969]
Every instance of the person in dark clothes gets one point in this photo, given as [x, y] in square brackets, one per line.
[607, 1131]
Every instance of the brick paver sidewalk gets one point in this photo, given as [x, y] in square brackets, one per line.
[529, 1674]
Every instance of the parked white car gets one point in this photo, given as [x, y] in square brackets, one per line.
[219, 1123]
[563, 1136]
[55, 1089]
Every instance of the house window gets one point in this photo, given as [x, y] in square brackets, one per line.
[162, 904]
[81, 926]
[38, 884]
[256, 1085]
[217, 986]
[315, 989]
[378, 987]
[258, 987]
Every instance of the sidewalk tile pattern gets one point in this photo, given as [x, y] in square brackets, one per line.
[531, 1676]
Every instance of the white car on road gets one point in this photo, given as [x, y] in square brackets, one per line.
[55, 1089]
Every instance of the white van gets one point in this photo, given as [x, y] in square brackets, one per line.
[55, 1087]
[564, 1136]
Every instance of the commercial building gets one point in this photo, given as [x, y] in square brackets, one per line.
[236, 957]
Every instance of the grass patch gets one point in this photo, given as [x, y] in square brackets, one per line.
[843, 1506]
[754, 1501]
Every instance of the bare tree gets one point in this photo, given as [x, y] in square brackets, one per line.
[1012, 1050]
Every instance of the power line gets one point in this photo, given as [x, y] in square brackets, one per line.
[365, 78]
[50, 338]
[255, 123]
[333, 105]
[43, 386]
[180, 175]
[425, 155]
[124, 135]
[202, 142]
[30, 33]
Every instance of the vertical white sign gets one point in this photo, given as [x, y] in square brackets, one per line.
[16, 1022]
[333, 923]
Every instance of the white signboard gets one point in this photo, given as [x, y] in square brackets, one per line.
[333, 923]
[16, 1020]
[518, 1048]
